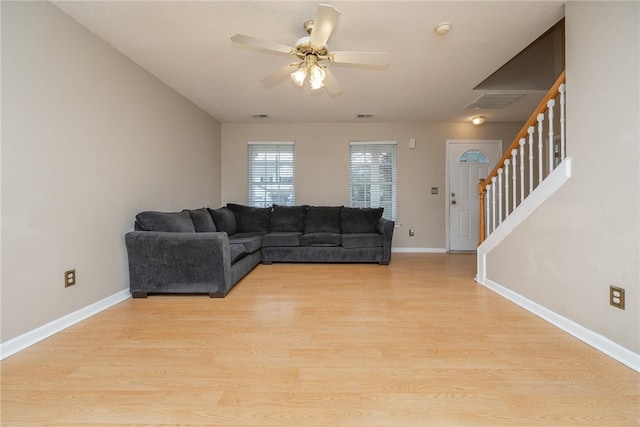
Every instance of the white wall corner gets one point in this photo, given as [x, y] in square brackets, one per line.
[30, 338]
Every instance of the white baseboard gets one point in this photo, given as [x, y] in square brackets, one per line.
[419, 250]
[25, 340]
[595, 340]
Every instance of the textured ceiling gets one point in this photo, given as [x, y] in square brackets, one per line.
[429, 77]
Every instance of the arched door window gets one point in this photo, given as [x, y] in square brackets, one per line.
[473, 156]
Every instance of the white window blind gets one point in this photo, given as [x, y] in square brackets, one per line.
[271, 174]
[372, 176]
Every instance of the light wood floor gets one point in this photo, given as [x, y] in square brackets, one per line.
[417, 343]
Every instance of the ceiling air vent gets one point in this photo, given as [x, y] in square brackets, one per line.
[259, 116]
[364, 116]
[494, 100]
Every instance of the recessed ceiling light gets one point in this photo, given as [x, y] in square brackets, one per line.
[443, 28]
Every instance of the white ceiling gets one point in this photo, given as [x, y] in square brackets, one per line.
[429, 78]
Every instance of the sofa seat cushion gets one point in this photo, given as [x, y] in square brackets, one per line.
[359, 220]
[361, 240]
[288, 218]
[321, 239]
[224, 220]
[202, 220]
[238, 251]
[251, 242]
[250, 219]
[175, 222]
[322, 219]
[281, 238]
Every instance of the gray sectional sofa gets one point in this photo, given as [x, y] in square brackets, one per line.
[208, 251]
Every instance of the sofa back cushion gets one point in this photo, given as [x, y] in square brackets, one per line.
[322, 219]
[176, 222]
[359, 220]
[202, 220]
[288, 218]
[224, 220]
[251, 219]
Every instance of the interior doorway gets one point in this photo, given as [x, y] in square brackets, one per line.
[467, 162]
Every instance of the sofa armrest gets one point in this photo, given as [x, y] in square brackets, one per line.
[162, 262]
[386, 227]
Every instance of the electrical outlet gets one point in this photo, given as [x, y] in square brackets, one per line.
[69, 278]
[411, 232]
[616, 297]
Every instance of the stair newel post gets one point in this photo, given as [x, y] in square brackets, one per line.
[507, 162]
[530, 131]
[522, 143]
[514, 168]
[562, 122]
[481, 219]
[493, 203]
[550, 105]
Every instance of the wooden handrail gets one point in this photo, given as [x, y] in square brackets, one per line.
[553, 92]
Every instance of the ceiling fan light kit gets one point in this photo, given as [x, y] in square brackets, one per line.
[311, 50]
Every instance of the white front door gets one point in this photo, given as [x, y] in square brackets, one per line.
[469, 161]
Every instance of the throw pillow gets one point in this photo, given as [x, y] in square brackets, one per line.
[176, 222]
[250, 219]
[202, 220]
[224, 220]
[288, 218]
[360, 220]
[322, 219]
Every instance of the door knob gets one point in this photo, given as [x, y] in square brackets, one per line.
[453, 202]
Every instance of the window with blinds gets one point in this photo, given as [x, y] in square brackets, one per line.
[372, 176]
[271, 174]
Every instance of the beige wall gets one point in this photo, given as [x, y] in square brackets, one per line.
[88, 140]
[322, 166]
[587, 236]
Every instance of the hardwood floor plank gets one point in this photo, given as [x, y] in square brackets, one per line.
[417, 343]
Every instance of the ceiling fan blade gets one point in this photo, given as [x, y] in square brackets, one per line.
[323, 24]
[360, 58]
[273, 79]
[262, 44]
[331, 84]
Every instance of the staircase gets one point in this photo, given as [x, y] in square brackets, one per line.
[532, 168]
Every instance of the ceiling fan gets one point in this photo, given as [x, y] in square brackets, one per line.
[311, 51]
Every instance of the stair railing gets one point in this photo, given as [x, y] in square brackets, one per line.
[524, 165]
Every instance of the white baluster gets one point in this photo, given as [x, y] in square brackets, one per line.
[493, 203]
[562, 119]
[487, 210]
[550, 105]
[500, 171]
[531, 130]
[507, 162]
[514, 156]
[540, 158]
[522, 142]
